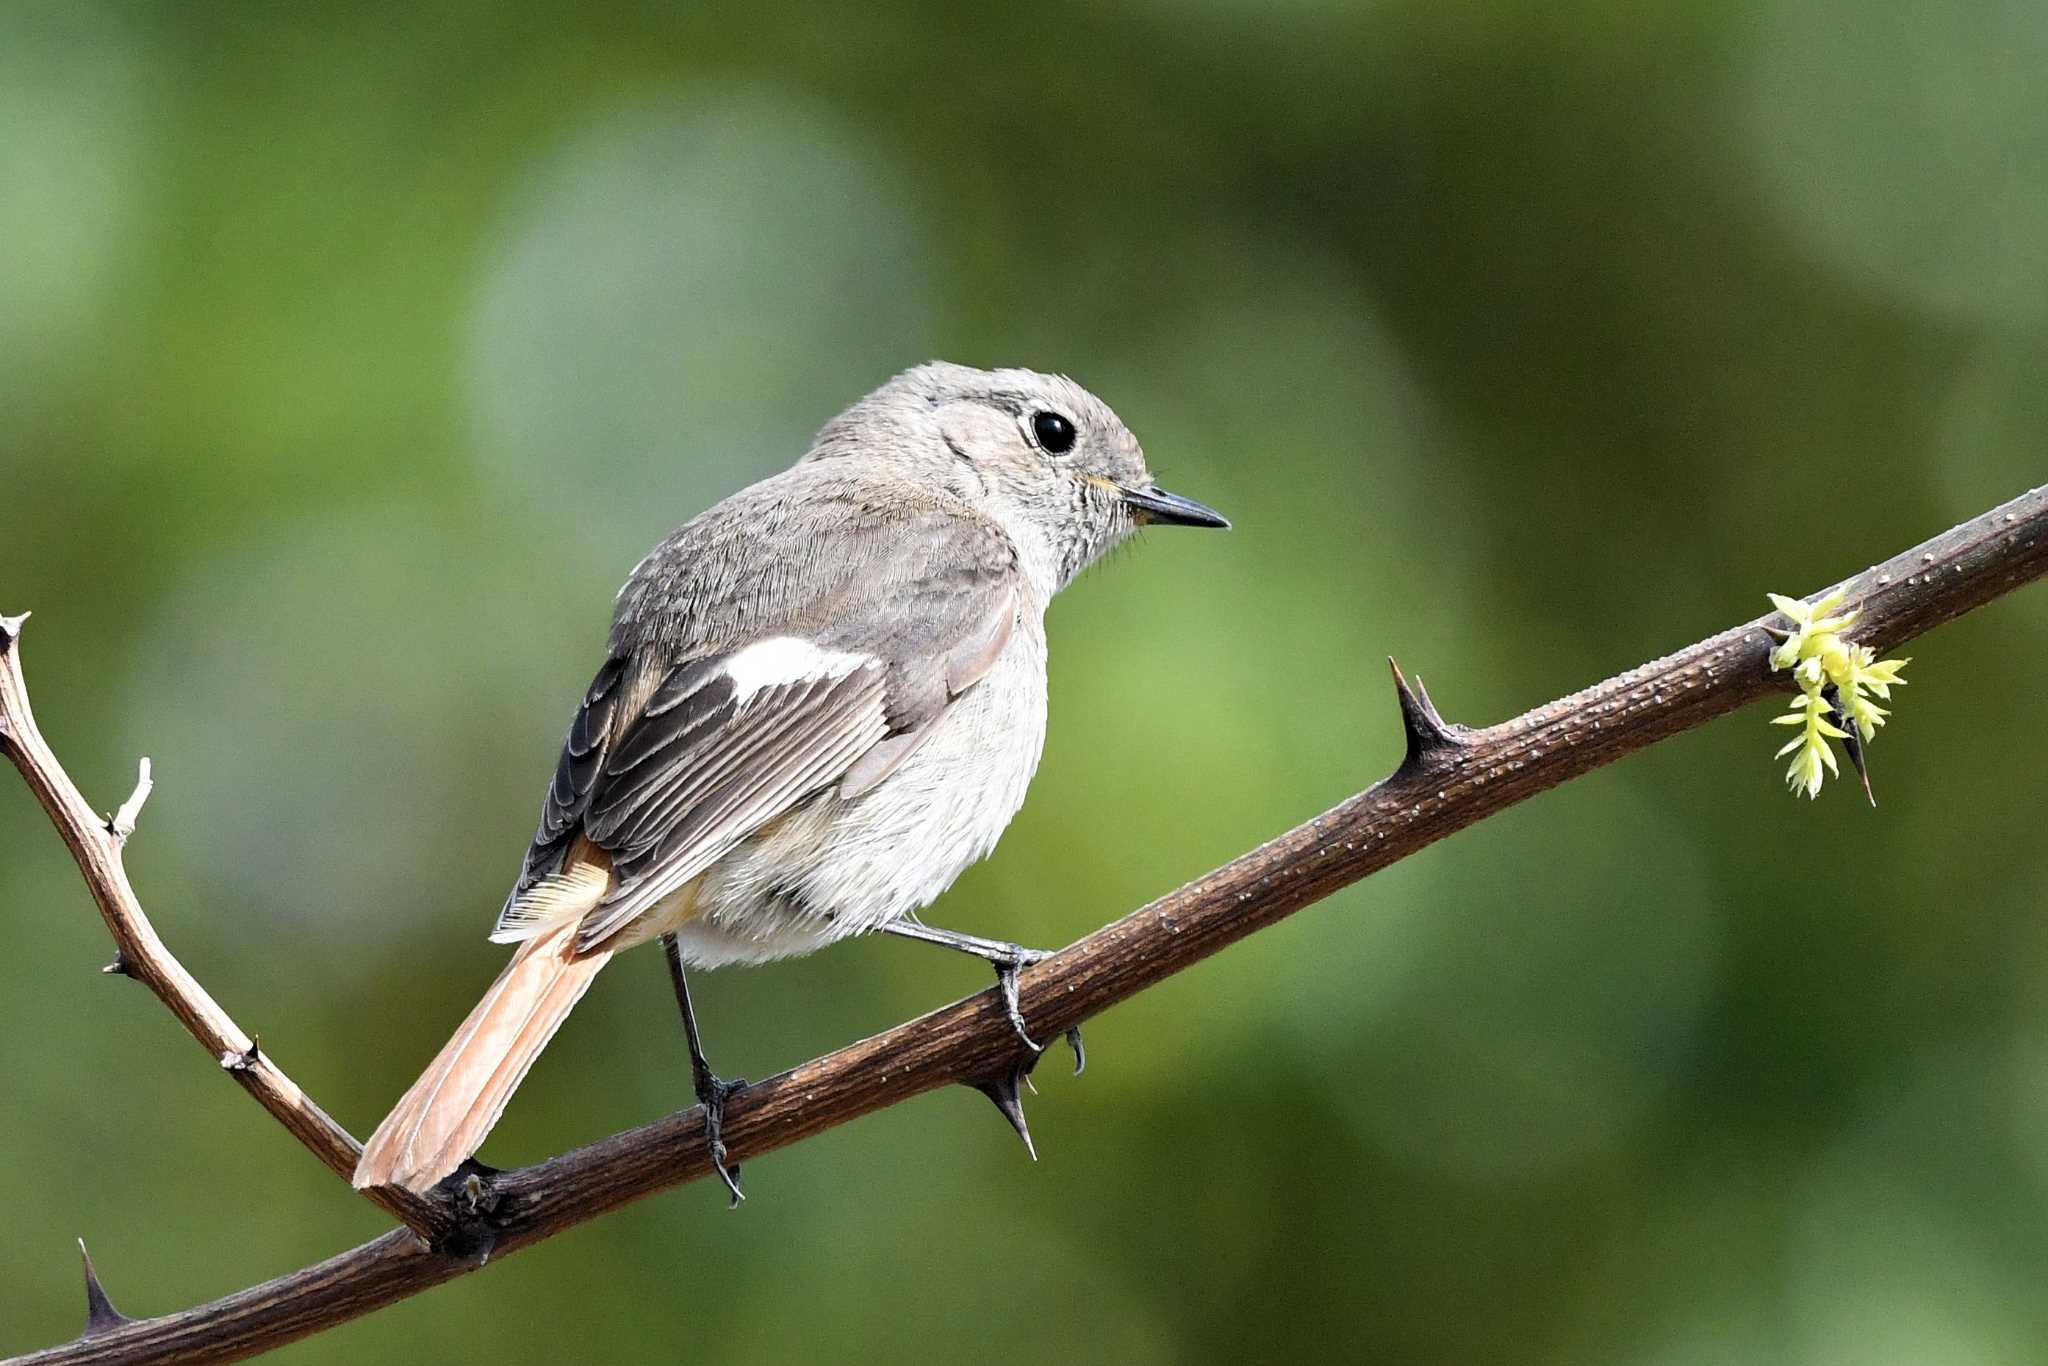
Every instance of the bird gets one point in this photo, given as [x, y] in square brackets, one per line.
[821, 700]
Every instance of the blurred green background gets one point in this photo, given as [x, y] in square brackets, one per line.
[349, 359]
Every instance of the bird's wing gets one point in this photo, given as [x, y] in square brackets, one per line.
[674, 758]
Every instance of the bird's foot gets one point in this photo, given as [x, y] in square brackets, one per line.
[1007, 967]
[1006, 958]
[712, 1093]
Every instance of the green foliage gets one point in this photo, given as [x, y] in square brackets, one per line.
[1837, 681]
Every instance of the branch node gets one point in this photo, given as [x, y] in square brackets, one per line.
[120, 967]
[1426, 731]
[475, 1197]
[1002, 1091]
[122, 825]
[231, 1061]
[100, 1314]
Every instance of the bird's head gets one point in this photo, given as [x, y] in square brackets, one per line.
[1043, 456]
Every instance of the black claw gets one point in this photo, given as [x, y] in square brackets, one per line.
[1080, 1053]
[100, 1314]
[1006, 979]
[712, 1093]
[1002, 1091]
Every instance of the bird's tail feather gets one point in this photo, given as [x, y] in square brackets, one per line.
[456, 1101]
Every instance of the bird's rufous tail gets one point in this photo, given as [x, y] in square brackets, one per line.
[449, 1110]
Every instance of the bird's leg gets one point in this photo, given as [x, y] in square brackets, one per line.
[712, 1091]
[1007, 959]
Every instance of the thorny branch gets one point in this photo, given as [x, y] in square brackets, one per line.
[96, 842]
[1451, 777]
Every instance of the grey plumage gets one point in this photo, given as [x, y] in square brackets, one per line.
[823, 698]
[908, 587]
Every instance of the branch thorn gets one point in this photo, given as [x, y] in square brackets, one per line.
[123, 823]
[231, 1061]
[119, 967]
[1855, 748]
[1002, 1091]
[10, 628]
[1852, 742]
[1427, 732]
[100, 1314]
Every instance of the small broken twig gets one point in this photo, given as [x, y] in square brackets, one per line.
[123, 823]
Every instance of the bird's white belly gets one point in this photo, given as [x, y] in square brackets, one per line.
[836, 868]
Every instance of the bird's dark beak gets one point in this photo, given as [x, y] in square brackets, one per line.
[1157, 507]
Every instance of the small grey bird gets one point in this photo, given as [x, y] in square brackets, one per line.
[822, 700]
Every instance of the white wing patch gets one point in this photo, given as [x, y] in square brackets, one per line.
[786, 659]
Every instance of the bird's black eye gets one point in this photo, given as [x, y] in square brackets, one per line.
[1054, 432]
